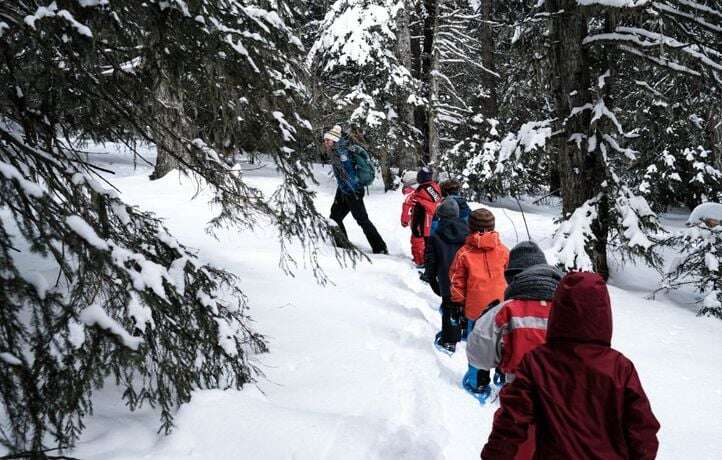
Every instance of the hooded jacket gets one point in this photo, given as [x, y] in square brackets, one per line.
[426, 198]
[440, 251]
[506, 332]
[464, 212]
[584, 397]
[417, 242]
[477, 273]
[464, 209]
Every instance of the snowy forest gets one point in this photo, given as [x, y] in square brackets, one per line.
[171, 284]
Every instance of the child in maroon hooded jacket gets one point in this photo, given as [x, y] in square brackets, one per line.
[583, 397]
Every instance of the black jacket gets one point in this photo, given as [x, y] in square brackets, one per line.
[440, 251]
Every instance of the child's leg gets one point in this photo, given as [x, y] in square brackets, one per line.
[482, 377]
[455, 315]
[417, 249]
[467, 325]
[476, 381]
[450, 325]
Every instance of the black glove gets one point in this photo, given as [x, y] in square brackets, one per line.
[423, 277]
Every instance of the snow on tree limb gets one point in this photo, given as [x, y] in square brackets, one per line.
[572, 238]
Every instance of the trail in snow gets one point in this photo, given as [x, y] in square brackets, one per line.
[352, 372]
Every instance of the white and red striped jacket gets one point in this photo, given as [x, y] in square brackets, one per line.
[506, 332]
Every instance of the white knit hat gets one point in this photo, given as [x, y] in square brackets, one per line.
[409, 178]
[334, 134]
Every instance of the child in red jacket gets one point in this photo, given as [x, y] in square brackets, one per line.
[408, 189]
[584, 398]
[426, 198]
[506, 331]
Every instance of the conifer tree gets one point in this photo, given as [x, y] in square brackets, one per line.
[127, 301]
[364, 78]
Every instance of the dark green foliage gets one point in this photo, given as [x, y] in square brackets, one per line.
[698, 265]
[201, 80]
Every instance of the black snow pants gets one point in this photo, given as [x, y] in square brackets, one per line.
[451, 314]
[353, 203]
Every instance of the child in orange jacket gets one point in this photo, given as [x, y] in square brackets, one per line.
[477, 272]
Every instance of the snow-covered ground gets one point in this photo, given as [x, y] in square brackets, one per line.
[352, 372]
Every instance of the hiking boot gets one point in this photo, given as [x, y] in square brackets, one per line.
[340, 240]
[499, 378]
[472, 384]
[446, 347]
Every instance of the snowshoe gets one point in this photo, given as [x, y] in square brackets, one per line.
[481, 394]
[447, 348]
[471, 384]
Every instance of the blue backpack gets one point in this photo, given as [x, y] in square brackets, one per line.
[363, 165]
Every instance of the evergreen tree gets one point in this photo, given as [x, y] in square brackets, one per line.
[364, 81]
[699, 258]
[504, 149]
[130, 302]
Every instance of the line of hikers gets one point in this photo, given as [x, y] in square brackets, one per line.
[565, 392]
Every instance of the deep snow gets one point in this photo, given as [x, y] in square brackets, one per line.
[352, 372]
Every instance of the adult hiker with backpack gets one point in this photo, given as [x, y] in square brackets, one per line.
[354, 171]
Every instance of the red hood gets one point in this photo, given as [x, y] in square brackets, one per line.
[582, 311]
[485, 241]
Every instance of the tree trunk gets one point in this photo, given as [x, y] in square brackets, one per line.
[172, 129]
[406, 154]
[580, 173]
[431, 67]
[714, 137]
[433, 129]
[385, 165]
[424, 119]
[489, 105]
